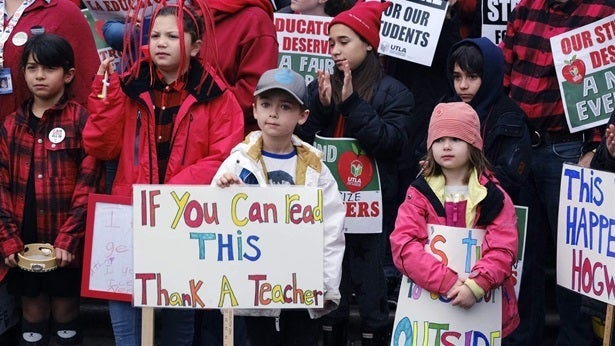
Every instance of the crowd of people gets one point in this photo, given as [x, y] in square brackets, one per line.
[199, 99]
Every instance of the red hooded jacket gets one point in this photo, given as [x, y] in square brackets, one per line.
[63, 18]
[247, 46]
[122, 126]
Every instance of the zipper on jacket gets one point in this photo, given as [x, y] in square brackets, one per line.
[187, 136]
[137, 137]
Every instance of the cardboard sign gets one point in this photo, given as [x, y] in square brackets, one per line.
[586, 233]
[495, 14]
[425, 318]
[117, 9]
[237, 247]
[104, 51]
[107, 262]
[517, 271]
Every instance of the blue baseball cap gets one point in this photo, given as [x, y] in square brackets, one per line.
[285, 79]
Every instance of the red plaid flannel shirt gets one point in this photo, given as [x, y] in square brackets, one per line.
[530, 71]
[63, 176]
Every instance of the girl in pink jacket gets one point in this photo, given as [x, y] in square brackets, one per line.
[457, 189]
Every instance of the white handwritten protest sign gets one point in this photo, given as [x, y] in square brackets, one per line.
[238, 247]
[410, 29]
[424, 318]
[107, 260]
[586, 233]
[585, 65]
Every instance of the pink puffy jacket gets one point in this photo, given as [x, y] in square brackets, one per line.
[495, 213]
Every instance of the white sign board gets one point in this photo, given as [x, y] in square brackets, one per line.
[584, 60]
[107, 260]
[410, 29]
[117, 9]
[586, 233]
[424, 318]
[238, 247]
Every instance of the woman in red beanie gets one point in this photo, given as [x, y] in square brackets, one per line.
[359, 101]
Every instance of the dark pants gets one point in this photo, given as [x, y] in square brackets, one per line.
[531, 302]
[293, 327]
[575, 327]
[208, 326]
[363, 275]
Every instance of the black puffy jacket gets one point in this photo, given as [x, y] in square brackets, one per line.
[381, 126]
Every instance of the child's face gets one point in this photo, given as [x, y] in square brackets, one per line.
[452, 154]
[466, 84]
[278, 113]
[347, 46]
[165, 48]
[46, 83]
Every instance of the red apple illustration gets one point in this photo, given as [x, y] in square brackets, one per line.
[355, 169]
[574, 70]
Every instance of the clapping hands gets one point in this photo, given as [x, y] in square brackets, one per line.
[324, 85]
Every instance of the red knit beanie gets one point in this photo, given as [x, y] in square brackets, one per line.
[364, 19]
[455, 119]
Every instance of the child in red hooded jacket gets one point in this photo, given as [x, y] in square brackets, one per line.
[168, 120]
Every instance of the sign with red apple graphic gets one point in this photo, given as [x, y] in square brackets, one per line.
[358, 181]
[584, 61]
[355, 169]
[574, 70]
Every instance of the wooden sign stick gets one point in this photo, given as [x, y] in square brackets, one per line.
[147, 327]
[227, 327]
[608, 326]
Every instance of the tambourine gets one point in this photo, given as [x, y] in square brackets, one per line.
[37, 257]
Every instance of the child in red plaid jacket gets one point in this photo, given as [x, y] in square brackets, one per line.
[45, 179]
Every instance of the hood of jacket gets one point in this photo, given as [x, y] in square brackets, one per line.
[247, 162]
[253, 144]
[491, 87]
[482, 190]
[224, 8]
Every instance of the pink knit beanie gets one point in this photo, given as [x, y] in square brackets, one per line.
[364, 19]
[455, 119]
